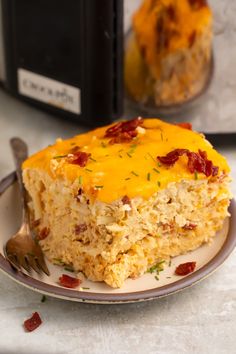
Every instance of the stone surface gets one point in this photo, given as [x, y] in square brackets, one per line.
[201, 319]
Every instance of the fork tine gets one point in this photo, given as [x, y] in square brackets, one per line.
[23, 262]
[13, 261]
[33, 264]
[42, 265]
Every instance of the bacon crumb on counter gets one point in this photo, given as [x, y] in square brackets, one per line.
[33, 322]
[185, 268]
[69, 282]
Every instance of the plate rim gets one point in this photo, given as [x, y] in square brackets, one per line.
[109, 298]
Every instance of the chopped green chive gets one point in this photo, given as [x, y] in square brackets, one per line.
[43, 298]
[69, 269]
[151, 157]
[59, 156]
[158, 183]
[132, 148]
[103, 144]
[134, 173]
[156, 277]
[87, 169]
[58, 261]
[85, 288]
[149, 176]
[161, 136]
[72, 143]
[91, 158]
[170, 262]
[120, 150]
[195, 175]
[168, 277]
[157, 268]
[120, 156]
[98, 187]
[126, 179]
[128, 153]
[80, 179]
[157, 171]
[159, 164]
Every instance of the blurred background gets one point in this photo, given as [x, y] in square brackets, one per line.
[63, 68]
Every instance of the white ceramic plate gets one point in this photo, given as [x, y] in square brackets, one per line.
[208, 258]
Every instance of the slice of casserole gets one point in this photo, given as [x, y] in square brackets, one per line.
[114, 201]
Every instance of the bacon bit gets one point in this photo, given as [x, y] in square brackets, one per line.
[197, 4]
[79, 158]
[185, 125]
[35, 223]
[123, 132]
[126, 200]
[33, 322]
[185, 268]
[172, 156]
[43, 233]
[69, 282]
[192, 38]
[80, 228]
[80, 192]
[197, 161]
[189, 226]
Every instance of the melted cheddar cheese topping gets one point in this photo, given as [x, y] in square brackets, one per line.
[130, 169]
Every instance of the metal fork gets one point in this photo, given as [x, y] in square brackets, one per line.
[21, 250]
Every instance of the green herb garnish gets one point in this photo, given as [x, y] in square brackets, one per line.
[80, 179]
[87, 169]
[59, 156]
[43, 298]
[159, 164]
[120, 156]
[58, 261]
[129, 154]
[85, 288]
[151, 157]
[103, 144]
[98, 187]
[69, 269]
[195, 175]
[91, 158]
[158, 183]
[149, 176]
[161, 136]
[128, 178]
[134, 173]
[157, 171]
[157, 268]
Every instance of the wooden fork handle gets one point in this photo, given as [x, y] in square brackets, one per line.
[20, 153]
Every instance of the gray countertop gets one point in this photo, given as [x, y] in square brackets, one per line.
[201, 319]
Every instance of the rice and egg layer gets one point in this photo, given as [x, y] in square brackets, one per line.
[124, 211]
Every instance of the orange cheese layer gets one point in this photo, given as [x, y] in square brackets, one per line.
[127, 168]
